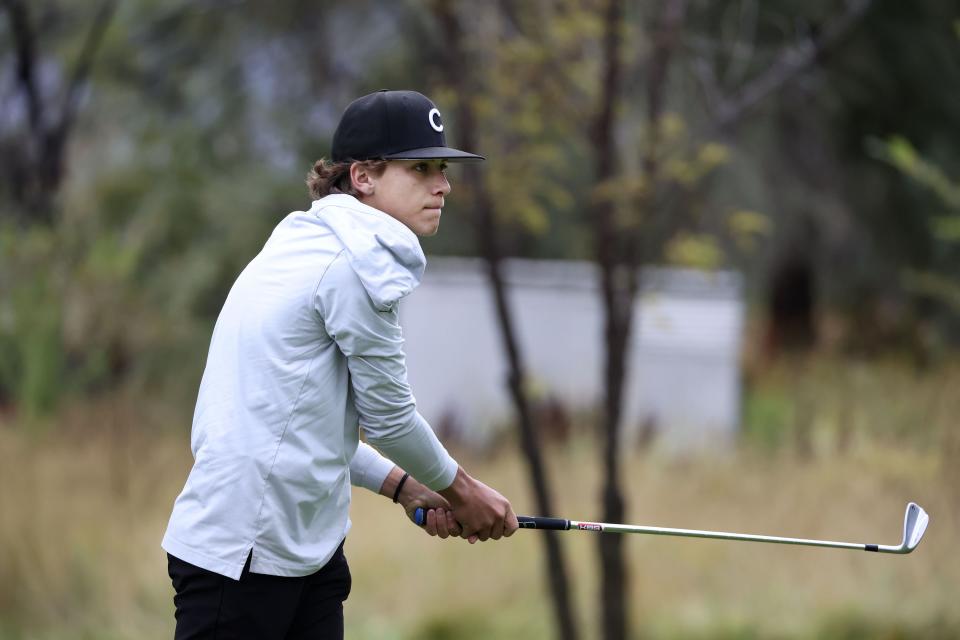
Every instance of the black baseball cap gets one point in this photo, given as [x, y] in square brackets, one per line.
[393, 125]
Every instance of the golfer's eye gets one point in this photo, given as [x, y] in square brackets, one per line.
[422, 167]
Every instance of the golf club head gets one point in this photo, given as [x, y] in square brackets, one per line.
[915, 522]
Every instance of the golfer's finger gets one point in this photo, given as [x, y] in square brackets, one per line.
[472, 535]
[442, 529]
[452, 525]
[431, 525]
[496, 531]
[511, 524]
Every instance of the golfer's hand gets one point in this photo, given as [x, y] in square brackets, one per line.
[483, 513]
[439, 516]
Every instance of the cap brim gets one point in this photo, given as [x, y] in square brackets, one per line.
[431, 153]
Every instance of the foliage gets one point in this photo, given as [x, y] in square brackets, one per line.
[169, 195]
[125, 285]
[30, 320]
[694, 250]
[898, 151]
[891, 107]
[200, 119]
[939, 282]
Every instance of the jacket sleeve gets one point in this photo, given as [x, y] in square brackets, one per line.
[372, 342]
[368, 469]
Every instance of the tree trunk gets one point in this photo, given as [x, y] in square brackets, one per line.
[556, 565]
[456, 70]
[619, 256]
[613, 589]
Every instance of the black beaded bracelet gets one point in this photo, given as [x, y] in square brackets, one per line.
[396, 494]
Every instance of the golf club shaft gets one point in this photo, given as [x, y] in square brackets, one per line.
[915, 522]
[560, 524]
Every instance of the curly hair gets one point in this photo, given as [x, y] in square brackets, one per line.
[328, 177]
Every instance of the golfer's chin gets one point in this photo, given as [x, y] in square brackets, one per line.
[429, 223]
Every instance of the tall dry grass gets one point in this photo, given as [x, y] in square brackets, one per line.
[85, 502]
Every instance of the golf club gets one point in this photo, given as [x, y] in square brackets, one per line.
[915, 522]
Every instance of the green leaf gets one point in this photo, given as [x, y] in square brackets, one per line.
[712, 155]
[746, 222]
[747, 227]
[946, 228]
[699, 251]
[672, 126]
[901, 153]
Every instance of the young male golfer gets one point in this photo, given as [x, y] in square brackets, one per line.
[308, 351]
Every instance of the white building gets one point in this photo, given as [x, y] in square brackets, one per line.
[683, 362]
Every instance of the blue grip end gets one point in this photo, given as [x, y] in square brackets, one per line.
[420, 516]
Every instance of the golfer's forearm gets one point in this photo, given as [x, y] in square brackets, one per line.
[416, 449]
[410, 489]
[389, 486]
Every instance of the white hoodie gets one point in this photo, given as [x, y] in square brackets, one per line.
[307, 346]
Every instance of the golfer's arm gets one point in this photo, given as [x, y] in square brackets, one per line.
[372, 342]
[392, 424]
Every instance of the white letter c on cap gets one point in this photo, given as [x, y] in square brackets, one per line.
[438, 124]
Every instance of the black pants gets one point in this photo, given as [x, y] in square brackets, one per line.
[258, 606]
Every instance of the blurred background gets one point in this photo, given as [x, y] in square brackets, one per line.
[707, 278]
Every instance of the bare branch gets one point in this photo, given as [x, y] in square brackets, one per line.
[665, 43]
[788, 65]
[742, 48]
[83, 65]
[42, 154]
[708, 82]
[508, 11]
[25, 41]
[602, 133]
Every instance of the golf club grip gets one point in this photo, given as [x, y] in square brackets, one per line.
[526, 522]
[538, 522]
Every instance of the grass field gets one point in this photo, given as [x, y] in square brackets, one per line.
[84, 504]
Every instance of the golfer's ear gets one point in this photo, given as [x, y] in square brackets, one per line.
[362, 179]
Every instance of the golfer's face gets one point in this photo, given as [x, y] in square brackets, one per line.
[412, 191]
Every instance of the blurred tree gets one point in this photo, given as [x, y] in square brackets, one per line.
[618, 253]
[616, 302]
[657, 220]
[207, 108]
[939, 280]
[463, 70]
[180, 143]
[41, 106]
[857, 72]
[891, 105]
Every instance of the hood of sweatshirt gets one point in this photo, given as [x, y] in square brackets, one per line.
[382, 251]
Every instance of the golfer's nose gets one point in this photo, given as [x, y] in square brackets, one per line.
[442, 186]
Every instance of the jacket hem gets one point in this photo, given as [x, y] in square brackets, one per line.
[187, 553]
